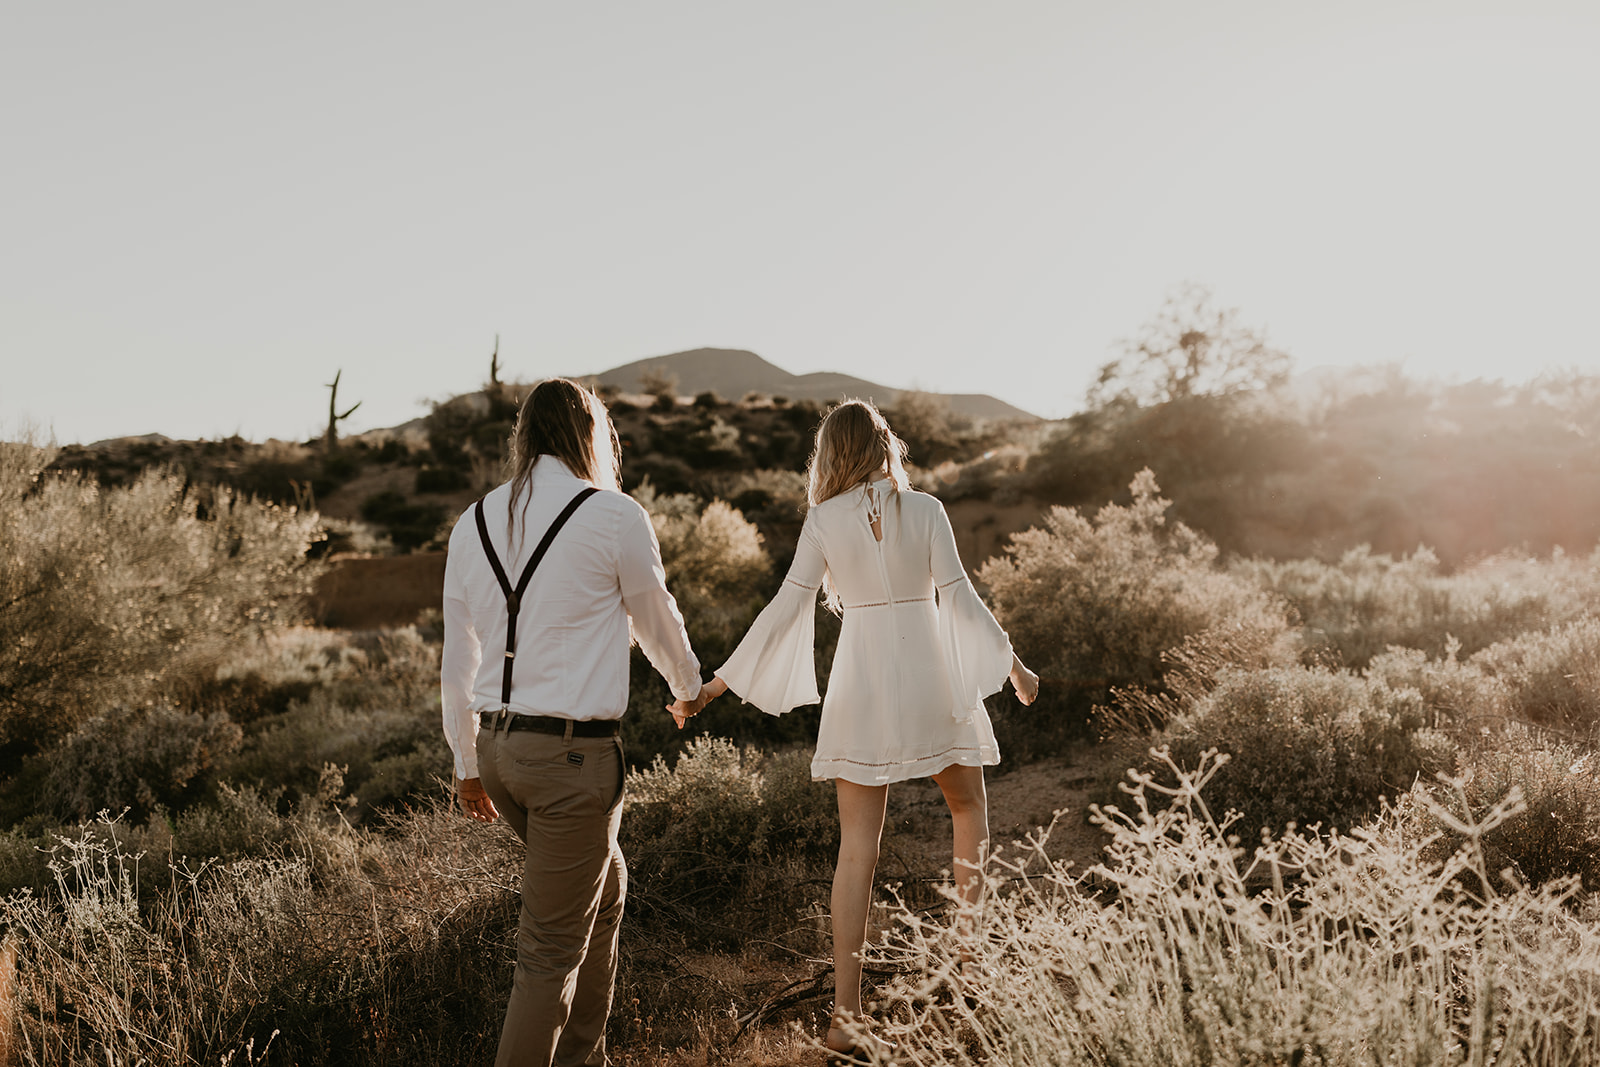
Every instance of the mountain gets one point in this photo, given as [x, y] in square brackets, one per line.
[733, 372]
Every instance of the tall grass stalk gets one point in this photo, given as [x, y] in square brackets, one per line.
[1185, 948]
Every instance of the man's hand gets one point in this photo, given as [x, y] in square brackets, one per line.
[684, 710]
[474, 800]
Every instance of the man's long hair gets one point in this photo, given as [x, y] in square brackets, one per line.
[561, 418]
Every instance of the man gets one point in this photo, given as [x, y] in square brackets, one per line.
[534, 684]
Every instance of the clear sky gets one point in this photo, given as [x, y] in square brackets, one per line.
[206, 209]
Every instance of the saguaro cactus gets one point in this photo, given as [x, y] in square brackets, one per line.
[494, 366]
[334, 415]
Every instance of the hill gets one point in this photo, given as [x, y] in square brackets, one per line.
[733, 372]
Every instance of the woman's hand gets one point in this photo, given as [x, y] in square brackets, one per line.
[475, 800]
[684, 710]
[1024, 681]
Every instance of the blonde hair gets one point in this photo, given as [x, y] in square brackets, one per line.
[854, 443]
[561, 418]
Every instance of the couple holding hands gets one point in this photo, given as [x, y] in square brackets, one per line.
[535, 734]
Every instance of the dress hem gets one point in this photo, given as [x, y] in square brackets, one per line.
[863, 773]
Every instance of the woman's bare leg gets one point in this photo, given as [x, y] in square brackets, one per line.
[969, 818]
[861, 810]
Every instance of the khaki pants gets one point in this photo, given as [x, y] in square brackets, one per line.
[564, 799]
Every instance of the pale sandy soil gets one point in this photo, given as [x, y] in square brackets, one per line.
[916, 853]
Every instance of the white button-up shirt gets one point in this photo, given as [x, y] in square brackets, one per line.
[572, 631]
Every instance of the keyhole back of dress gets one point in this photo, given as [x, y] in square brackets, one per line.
[875, 512]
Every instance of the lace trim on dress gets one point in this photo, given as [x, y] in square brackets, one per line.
[886, 603]
[801, 585]
[919, 759]
[953, 581]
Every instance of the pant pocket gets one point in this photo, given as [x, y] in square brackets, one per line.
[622, 776]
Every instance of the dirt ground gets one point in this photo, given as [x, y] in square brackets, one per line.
[916, 849]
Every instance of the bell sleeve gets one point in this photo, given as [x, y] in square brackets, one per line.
[977, 652]
[774, 667]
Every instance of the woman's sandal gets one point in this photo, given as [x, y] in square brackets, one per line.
[845, 1054]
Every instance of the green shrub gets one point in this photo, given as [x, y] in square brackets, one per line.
[1554, 834]
[1091, 604]
[1459, 697]
[118, 594]
[136, 759]
[1365, 603]
[1551, 678]
[1186, 948]
[716, 566]
[1306, 745]
[714, 837]
[410, 526]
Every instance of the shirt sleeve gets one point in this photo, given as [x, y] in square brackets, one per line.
[657, 624]
[977, 652]
[458, 670]
[775, 666]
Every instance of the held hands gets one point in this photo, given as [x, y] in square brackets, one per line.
[1024, 681]
[684, 710]
[474, 800]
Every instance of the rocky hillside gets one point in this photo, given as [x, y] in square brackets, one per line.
[733, 373]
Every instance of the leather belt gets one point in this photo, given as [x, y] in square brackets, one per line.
[550, 724]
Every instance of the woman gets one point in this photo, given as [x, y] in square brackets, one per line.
[905, 695]
[535, 680]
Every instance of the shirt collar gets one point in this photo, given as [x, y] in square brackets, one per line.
[548, 468]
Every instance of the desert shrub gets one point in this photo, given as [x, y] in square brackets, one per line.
[1551, 678]
[364, 701]
[1185, 948]
[114, 594]
[388, 753]
[1555, 832]
[1365, 603]
[1457, 696]
[400, 954]
[410, 526]
[720, 829]
[716, 567]
[1306, 745]
[240, 823]
[138, 759]
[1091, 604]
[441, 479]
[1193, 670]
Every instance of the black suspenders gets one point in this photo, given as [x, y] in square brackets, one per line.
[514, 596]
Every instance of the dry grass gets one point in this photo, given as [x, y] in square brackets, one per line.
[1185, 948]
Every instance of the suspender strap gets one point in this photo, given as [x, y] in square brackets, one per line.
[514, 596]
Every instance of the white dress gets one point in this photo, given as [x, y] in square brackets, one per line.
[905, 694]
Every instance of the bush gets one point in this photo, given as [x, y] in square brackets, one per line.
[1365, 603]
[1185, 948]
[136, 759]
[1554, 834]
[114, 595]
[1091, 604]
[410, 526]
[713, 838]
[716, 567]
[1306, 745]
[1458, 697]
[1551, 678]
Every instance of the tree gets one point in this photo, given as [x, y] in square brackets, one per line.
[1190, 349]
[334, 416]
